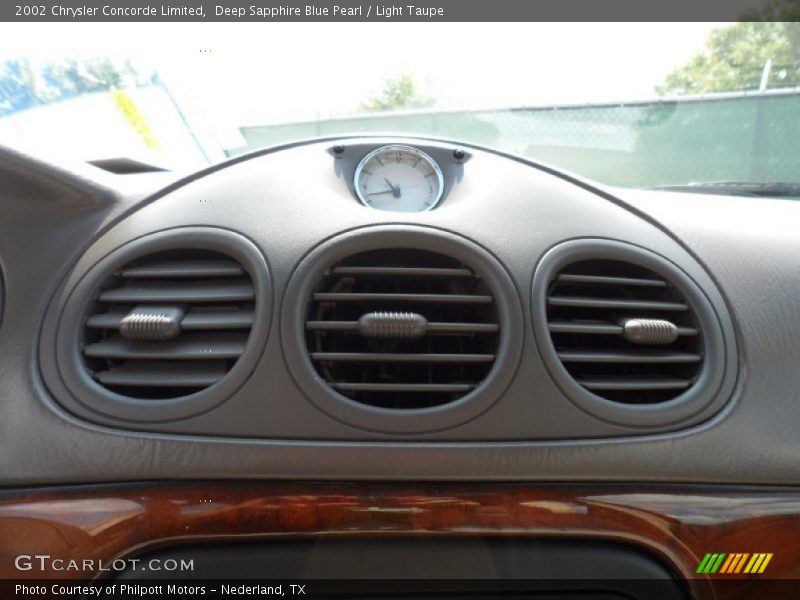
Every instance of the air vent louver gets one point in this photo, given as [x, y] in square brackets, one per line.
[169, 324]
[402, 328]
[623, 332]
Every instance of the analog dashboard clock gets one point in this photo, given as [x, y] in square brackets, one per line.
[399, 178]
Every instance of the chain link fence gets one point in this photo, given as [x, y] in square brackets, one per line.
[725, 137]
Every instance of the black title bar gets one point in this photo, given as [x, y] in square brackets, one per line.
[408, 11]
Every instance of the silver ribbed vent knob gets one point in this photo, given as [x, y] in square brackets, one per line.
[152, 323]
[651, 332]
[392, 325]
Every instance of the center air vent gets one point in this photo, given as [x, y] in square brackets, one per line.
[402, 328]
[169, 324]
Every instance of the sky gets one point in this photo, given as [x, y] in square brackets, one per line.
[280, 72]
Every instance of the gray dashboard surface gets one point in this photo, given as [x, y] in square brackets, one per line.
[748, 247]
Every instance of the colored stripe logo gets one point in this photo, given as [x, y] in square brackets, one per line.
[737, 562]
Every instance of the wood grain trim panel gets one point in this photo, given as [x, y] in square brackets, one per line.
[680, 524]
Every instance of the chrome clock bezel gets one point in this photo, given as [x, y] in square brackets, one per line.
[404, 148]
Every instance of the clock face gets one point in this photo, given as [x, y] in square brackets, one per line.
[399, 178]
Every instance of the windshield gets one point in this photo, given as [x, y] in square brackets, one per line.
[635, 104]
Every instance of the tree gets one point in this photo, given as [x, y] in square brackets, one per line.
[734, 60]
[398, 93]
[72, 77]
[18, 87]
[24, 84]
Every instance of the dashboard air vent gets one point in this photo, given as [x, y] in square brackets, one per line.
[169, 324]
[624, 332]
[402, 328]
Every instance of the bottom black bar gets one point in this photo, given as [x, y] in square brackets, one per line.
[394, 589]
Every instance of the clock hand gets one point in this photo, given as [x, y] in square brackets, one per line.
[381, 192]
[395, 188]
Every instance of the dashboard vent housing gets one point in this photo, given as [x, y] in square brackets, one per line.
[169, 324]
[402, 328]
[624, 332]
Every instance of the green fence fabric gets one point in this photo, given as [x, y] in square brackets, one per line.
[745, 137]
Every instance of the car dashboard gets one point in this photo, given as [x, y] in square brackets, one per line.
[437, 335]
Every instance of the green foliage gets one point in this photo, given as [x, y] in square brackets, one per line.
[734, 59]
[398, 93]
